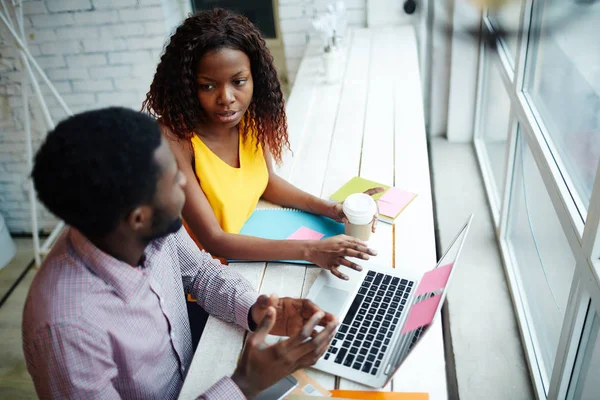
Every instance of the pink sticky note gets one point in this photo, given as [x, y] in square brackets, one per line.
[304, 233]
[434, 280]
[389, 209]
[421, 314]
[393, 201]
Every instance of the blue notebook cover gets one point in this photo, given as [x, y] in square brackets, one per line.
[280, 223]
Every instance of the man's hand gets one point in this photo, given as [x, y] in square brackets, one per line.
[291, 314]
[261, 366]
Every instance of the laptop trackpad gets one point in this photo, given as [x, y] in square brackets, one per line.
[331, 300]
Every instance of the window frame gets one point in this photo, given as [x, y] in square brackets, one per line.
[580, 228]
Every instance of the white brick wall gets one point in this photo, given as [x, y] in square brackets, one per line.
[123, 30]
[294, 16]
[97, 85]
[175, 12]
[154, 13]
[74, 32]
[61, 47]
[110, 4]
[86, 60]
[51, 20]
[97, 53]
[130, 57]
[96, 17]
[68, 5]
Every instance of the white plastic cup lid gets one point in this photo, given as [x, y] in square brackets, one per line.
[359, 208]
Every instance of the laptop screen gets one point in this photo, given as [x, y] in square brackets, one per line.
[428, 299]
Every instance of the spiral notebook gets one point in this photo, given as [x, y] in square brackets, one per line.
[287, 223]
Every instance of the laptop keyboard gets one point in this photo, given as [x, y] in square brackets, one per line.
[364, 335]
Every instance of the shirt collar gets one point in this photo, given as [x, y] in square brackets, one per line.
[127, 280]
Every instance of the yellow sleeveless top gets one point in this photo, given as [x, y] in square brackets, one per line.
[232, 192]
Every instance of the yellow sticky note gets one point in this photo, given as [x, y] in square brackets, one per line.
[357, 185]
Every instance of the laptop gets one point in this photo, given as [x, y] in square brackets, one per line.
[383, 314]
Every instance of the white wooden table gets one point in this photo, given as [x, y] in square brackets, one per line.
[369, 124]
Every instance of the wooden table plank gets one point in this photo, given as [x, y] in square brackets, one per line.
[326, 380]
[346, 144]
[378, 145]
[284, 280]
[377, 156]
[312, 154]
[308, 174]
[415, 239]
[300, 103]
[220, 344]
[344, 157]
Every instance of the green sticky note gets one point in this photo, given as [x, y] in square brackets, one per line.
[357, 185]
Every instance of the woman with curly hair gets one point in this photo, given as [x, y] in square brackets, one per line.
[218, 99]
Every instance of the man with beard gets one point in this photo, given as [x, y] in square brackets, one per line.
[106, 316]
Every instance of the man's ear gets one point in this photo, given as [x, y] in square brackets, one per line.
[140, 219]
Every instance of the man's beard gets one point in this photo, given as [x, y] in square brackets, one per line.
[161, 227]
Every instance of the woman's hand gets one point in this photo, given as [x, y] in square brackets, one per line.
[337, 211]
[331, 253]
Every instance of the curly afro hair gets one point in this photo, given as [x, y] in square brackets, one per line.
[97, 166]
[173, 95]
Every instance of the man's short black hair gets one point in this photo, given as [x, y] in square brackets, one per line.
[97, 166]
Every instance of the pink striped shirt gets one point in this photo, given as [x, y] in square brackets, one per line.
[97, 328]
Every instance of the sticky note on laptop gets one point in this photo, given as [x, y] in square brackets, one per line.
[421, 314]
[304, 233]
[435, 279]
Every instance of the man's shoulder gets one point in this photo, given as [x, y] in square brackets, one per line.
[62, 289]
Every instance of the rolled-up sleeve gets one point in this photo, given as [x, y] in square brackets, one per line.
[221, 291]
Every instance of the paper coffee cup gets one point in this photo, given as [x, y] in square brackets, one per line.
[360, 210]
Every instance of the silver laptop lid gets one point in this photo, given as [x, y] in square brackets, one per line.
[426, 302]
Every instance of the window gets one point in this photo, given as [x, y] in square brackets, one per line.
[541, 257]
[259, 12]
[586, 385]
[507, 19]
[545, 202]
[494, 120]
[563, 87]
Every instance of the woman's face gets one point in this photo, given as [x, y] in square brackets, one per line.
[225, 86]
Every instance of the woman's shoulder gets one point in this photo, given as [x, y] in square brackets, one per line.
[166, 131]
[177, 144]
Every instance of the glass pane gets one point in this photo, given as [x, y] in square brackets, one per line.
[542, 257]
[587, 385]
[564, 86]
[507, 18]
[494, 120]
